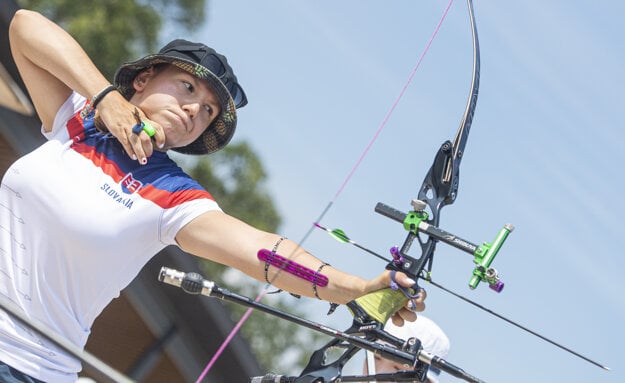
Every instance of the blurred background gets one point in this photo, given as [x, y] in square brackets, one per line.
[544, 154]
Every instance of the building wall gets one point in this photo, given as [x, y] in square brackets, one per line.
[121, 339]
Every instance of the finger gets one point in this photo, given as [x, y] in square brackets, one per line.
[418, 302]
[123, 139]
[404, 280]
[407, 315]
[159, 135]
[124, 135]
[149, 130]
[136, 144]
[397, 320]
[146, 144]
[415, 305]
[424, 294]
[402, 316]
[144, 131]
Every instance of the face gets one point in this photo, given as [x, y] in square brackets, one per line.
[180, 102]
[383, 365]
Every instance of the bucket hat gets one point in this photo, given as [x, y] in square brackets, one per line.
[206, 64]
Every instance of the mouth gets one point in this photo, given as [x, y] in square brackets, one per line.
[183, 121]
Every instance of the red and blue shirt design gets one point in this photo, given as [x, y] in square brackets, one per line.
[79, 221]
[160, 181]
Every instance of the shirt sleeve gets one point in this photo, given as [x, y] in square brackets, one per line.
[176, 218]
[70, 107]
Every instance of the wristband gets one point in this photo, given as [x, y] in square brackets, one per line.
[95, 100]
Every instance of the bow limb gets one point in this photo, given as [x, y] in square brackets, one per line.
[440, 186]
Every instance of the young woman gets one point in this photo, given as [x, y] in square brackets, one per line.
[81, 215]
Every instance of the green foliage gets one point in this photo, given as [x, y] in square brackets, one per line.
[116, 31]
[235, 176]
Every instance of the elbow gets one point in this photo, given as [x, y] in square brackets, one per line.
[21, 23]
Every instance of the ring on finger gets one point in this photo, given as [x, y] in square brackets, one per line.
[144, 126]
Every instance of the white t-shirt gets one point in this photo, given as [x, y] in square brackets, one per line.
[78, 221]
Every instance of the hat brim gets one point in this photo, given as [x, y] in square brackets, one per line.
[219, 133]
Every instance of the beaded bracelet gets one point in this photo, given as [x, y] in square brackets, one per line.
[314, 282]
[269, 259]
[333, 305]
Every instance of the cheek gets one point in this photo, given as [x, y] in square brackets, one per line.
[384, 365]
[175, 138]
[153, 104]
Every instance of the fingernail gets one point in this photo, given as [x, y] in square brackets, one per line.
[144, 161]
[411, 281]
[134, 157]
[161, 146]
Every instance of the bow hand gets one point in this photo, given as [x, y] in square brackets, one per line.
[398, 302]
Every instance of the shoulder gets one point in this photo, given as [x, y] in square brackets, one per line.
[166, 184]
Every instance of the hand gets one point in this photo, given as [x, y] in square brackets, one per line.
[412, 305]
[381, 302]
[120, 117]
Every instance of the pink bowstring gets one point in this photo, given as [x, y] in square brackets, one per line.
[230, 336]
[340, 189]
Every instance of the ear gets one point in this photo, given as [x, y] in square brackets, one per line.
[143, 78]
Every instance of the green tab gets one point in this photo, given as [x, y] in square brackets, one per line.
[382, 304]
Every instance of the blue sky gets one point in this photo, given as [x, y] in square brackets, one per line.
[544, 154]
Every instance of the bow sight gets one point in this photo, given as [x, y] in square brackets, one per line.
[417, 221]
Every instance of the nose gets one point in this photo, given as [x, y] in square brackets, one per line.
[192, 109]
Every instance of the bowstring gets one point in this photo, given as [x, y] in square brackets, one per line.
[339, 191]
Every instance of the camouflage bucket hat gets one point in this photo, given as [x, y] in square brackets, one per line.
[206, 64]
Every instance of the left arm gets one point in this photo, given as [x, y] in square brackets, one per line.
[221, 238]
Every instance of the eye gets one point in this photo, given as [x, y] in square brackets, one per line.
[191, 89]
[189, 86]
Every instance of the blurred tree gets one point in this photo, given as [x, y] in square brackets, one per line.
[116, 31]
[235, 177]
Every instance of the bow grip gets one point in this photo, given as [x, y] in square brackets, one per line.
[380, 305]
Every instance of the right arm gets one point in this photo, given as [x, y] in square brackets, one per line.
[53, 64]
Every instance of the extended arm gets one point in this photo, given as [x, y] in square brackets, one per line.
[221, 238]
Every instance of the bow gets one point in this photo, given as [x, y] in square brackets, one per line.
[439, 188]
